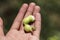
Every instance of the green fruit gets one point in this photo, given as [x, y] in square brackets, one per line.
[28, 19]
[27, 28]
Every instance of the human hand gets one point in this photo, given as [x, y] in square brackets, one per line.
[16, 31]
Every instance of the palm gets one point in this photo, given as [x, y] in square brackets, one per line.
[14, 33]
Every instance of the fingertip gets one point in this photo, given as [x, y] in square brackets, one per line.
[32, 3]
[37, 7]
[25, 5]
[36, 10]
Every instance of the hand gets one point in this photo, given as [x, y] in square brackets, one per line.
[16, 31]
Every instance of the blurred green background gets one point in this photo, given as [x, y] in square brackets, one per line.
[50, 12]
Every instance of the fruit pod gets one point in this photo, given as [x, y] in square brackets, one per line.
[29, 28]
[28, 19]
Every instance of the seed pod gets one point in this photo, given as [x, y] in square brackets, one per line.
[28, 19]
[27, 28]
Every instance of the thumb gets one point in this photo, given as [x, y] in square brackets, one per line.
[1, 27]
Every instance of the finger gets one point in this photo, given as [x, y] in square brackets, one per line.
[29, 12]
[37, 24]
[1, 28]
[30, 9]
[18, 19]
[36, 10]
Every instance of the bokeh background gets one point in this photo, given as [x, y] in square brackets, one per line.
[50, 12]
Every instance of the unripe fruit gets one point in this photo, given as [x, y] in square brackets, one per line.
[27, 28]
[26, 22]
[28, 19]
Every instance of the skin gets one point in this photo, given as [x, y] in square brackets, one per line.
[14, 33]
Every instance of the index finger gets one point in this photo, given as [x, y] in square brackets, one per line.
[19, 17]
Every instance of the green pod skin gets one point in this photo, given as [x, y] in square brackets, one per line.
[28, 19]
[27, 28]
